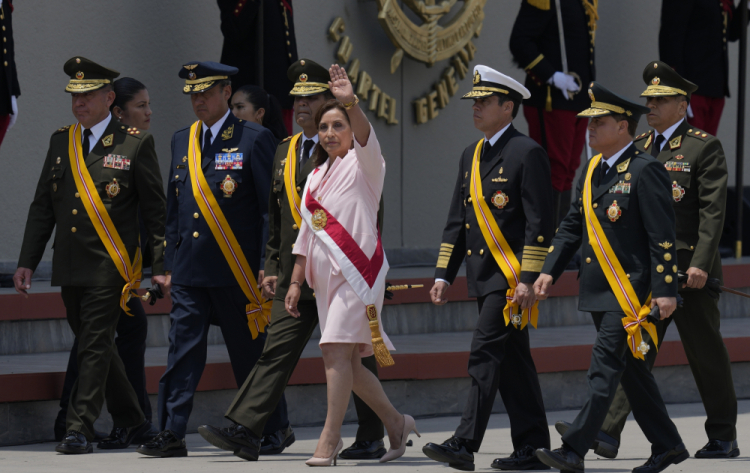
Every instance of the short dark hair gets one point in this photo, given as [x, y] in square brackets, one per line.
[125, 89]
[320, 154]
[272, 119]
[501, 99]
[632, 124]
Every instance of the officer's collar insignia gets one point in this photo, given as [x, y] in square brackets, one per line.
[675, 143]
[303, 77]
[666, 245]
[477, 77]
[79, 75]
[622, 167]
[107, 140]
[230, 150]
[227, 134]
[655, 81]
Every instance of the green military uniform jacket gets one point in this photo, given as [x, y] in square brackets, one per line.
[282, 229]
[80, 258]
[697, 171]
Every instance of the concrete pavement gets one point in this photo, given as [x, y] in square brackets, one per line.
[41, 458]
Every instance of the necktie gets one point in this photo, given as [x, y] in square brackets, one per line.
[206, 142]
[657, 146]
[603, 173]
[86, 136]
[486, 150]
[306, 152]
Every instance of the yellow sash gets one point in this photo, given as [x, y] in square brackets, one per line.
[500, 249]
[635, 313]
[290, 180]
[106, 230]
[258, 310]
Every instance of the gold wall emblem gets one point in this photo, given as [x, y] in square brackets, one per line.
[318, 220]
[430, 42]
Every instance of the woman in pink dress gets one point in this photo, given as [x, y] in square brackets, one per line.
[339, 253]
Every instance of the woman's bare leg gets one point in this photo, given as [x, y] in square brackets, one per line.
[337, 359]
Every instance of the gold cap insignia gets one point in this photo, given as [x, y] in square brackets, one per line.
[656, 66]
[78, 60]
[303, 77]
[190, 67]
[477, 77]
[655, 81]
[191, 75]
[79, 75]
[302, 62]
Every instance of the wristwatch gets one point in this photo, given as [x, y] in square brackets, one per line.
[349, 105]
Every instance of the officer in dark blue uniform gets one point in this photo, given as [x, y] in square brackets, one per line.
[235, 161]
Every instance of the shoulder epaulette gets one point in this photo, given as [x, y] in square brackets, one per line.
[700, 134]
[286, 139]
[642, 136]
[133, 131]
[60, 130]
[540, 4]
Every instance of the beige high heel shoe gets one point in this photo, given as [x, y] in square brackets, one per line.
[318, 461]
[409, 427]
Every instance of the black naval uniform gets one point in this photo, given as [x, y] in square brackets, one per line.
[500, 356]
[8, 74]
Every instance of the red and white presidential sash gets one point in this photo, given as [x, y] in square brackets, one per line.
[365, 275]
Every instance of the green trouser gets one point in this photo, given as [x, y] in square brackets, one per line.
[286, 338]
[93, 313]
[698, 324]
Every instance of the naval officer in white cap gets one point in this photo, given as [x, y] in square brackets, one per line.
[500, 222]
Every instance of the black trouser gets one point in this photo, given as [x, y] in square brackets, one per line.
[261, 392]
[131, 346]
[611, 363]
[93, 314]
[501, 360]
[698, 322]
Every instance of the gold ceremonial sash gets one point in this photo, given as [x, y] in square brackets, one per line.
[290, 180]
[635, 313]
[500, 249]
[257, 317]
[106, 230]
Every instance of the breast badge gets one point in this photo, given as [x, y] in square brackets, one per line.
[228, 186]
[500, 199]
[501, 178]
[318, 220]
[614, 212]
[113, 188]
[678, 192]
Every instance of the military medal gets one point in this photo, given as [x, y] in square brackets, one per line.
[678, 192]
[614, 212]
[515, 319]
[318, 220]
[643, 348]
[500, 199]
[113, 188]
[228, 185]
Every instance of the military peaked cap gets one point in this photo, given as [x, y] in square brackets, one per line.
[309, 77]
[201, 76]
[605, 102]
[488, 81]
[662, 81]
[86, 75]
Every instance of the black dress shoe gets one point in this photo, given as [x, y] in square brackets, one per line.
[522, 459]
[563, 458]
[276, 442]
[453, 452]
[237, 439]
[719, 449]
[364, 450]
[74, 442]
[604, 445]
[146, 435]
[122, 437]
[660, 462]
[164, 445]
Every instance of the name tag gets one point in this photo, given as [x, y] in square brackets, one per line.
[115, 161]
[225, 161]
[677, 166]
[620, 188]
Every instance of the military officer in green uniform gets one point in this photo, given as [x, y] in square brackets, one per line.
[698, 173]
[622, 219]
[95, 178]
[287, 336]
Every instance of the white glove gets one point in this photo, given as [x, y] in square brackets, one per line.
[690, 113]
[14, 106]
[564, 82]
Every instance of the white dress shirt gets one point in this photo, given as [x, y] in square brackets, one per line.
[613, 159]
[667, 133]
[96, 132]
[215, 128]
[314, 139]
